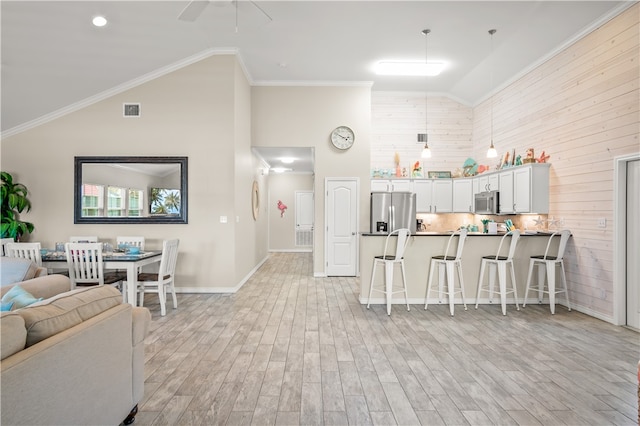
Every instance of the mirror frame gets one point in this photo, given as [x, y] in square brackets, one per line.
[77, 190]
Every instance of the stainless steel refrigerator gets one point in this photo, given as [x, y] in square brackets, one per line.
[392, 210]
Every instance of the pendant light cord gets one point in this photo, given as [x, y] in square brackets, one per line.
[426, 84]
[492, 32]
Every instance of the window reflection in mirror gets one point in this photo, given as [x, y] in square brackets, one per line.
[130, 190]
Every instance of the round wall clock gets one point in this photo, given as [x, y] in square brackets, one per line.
[342, 137]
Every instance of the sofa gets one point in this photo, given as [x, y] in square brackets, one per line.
[76, 357]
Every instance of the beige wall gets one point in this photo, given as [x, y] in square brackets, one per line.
[201, 111]
[283, 187]
[304, 117]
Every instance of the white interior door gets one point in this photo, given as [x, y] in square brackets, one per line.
[632, 250]
[304, 218]
[341, 217]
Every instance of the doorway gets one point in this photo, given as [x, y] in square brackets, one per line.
[626, 244]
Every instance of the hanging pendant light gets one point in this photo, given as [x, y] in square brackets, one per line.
[424, 137]
[491, 152]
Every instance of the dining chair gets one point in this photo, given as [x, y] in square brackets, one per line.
[131, 241]
[549, 263]
[84, 239]
[389, 261]
[3, 242]
[447, 264]
[86, 267]
[163, 280]
[29, 251]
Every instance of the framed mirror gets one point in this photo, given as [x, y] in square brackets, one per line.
[130, 190]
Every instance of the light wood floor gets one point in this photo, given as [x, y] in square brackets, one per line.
[292, 349]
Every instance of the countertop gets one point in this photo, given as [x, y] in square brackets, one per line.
[448, 233]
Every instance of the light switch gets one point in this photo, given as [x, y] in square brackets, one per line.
[223, 219]
[602, 222]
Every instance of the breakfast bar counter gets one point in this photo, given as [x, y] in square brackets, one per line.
[423, 245]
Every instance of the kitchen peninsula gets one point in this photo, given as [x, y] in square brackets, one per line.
[423, 245]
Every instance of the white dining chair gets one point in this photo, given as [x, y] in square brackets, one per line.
[3, 242]
[389, 261]
[130, 241]
[84, 239]
[29, 251]
[163, 280]
[86, 267]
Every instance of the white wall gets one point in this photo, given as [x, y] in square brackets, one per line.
[283, 187]
[201, 111]
[305, 117]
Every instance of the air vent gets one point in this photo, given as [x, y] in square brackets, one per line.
[132, 110]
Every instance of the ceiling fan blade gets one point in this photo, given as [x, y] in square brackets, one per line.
[261, 10]
[193, 10]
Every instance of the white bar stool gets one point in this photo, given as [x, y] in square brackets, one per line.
[390, 261]
[549, 263]
[499, 264]
[448, 264]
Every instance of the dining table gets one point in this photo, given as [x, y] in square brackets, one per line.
[116, 260]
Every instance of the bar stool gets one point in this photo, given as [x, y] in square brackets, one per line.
[549, 263]
[447, 263]
[389, 262]
[499, 264]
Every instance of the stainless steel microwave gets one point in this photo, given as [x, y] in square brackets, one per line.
[487, 202]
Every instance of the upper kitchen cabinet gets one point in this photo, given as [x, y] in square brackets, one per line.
[434, 195]
[486, 182]
[525, 189]
[391, 185]
[463, 195]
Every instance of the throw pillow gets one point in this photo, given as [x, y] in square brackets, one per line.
[6, 306]
[20, 297]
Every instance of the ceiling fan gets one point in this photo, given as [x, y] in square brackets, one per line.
[195, 7]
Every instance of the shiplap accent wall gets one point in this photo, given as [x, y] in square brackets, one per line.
[396, 120]
[582, 107]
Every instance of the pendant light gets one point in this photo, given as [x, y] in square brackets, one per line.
[491, 152]
[424, 137]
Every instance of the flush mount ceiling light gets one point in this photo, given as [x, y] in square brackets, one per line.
[424, 137]
[400, 68]
[280, 170]
[99, 21]
[491, 152]
[287, 160]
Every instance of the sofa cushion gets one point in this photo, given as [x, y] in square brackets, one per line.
[20, 297]
[13, 334]
[51, 316]
[16, 269]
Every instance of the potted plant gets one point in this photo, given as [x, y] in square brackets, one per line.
[13, 197]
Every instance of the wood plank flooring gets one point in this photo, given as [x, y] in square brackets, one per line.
[290, 349]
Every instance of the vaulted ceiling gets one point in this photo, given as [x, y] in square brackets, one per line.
[55, 60]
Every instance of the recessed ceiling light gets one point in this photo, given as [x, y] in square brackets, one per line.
[99, 21]
[422, 69]
[287, 160]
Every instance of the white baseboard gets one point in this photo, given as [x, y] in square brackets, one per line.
[300, 250]
[216, 290]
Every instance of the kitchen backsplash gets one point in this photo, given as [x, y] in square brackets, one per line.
[447, 222]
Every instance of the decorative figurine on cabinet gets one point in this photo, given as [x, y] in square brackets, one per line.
[543, 157]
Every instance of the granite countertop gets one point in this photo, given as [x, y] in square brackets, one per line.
[448, 233]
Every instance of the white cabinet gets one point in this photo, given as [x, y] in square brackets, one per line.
[423, 189]
[525, 189]
[442, 198]
[391, 185]
[506, 192]
[486, 182]
[463, 195]
[433, 195]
